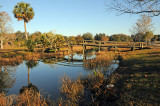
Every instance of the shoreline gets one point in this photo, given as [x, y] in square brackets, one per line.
[137, 78]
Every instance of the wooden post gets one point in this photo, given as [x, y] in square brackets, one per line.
[63, 53]
[109, 48]
[132, 47]
[83, 49]
[115, 47]
[72, 57]
[142, 45]
[72, 49]
[99, 46]
[55, 46]
[68, 52]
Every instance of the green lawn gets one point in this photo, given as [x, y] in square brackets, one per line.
[138, 78]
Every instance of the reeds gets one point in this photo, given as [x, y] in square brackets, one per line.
[77, 92]
[94, 80]
[6, 100]
[28, 98]
[102, 60]
[71, 91]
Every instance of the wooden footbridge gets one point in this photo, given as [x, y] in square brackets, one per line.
[99, 44]
[96, 43]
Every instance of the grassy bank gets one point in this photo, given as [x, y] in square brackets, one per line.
[137, 80]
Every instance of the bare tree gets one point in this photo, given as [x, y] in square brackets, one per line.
[141, 27]
[134, 6]
[5, 20]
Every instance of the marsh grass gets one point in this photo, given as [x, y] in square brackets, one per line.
[102, 60]
[28, 98]
[88, 90]
[6, 100]
[71, 91]
[94, 81]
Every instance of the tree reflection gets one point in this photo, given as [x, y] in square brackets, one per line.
[7, 77]
[30, 64]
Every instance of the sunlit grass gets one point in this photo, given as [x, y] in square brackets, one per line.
[71, 91]
[6, 100]
[28, 98]
[103, 59]
[88, 90]
[139, 77]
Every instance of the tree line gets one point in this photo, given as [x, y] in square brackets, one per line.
[141, 31]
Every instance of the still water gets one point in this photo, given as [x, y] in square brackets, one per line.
[46, 74]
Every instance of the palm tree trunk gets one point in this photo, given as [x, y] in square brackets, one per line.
[25, 30]
[28, 77]
[1, 42]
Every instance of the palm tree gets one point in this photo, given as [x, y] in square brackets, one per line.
[23, 11]
[31, 64]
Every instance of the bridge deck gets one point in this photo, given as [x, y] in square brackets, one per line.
[101, 44]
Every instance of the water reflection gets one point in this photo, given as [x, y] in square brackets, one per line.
[30, 64]
[7, 77]
[45, 73]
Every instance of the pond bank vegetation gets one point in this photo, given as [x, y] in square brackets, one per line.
[135, 82]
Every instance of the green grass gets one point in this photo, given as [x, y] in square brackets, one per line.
[139, 78]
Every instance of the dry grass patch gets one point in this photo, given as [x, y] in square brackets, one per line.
[28, 98]
[103, 59]
[71, 90]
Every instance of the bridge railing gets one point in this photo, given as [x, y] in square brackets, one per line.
[96, 43]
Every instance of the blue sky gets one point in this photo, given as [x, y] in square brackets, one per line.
[73, 17]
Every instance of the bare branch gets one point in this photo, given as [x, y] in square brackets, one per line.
[134, 6]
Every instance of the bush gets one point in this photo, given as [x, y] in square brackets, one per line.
[87, 36]
[120, 38]
[94, 80]
[30, 45]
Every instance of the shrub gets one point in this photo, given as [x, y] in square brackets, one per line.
[30, 45]
[94, 80]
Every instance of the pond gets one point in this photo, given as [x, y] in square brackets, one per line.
[45, 74]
